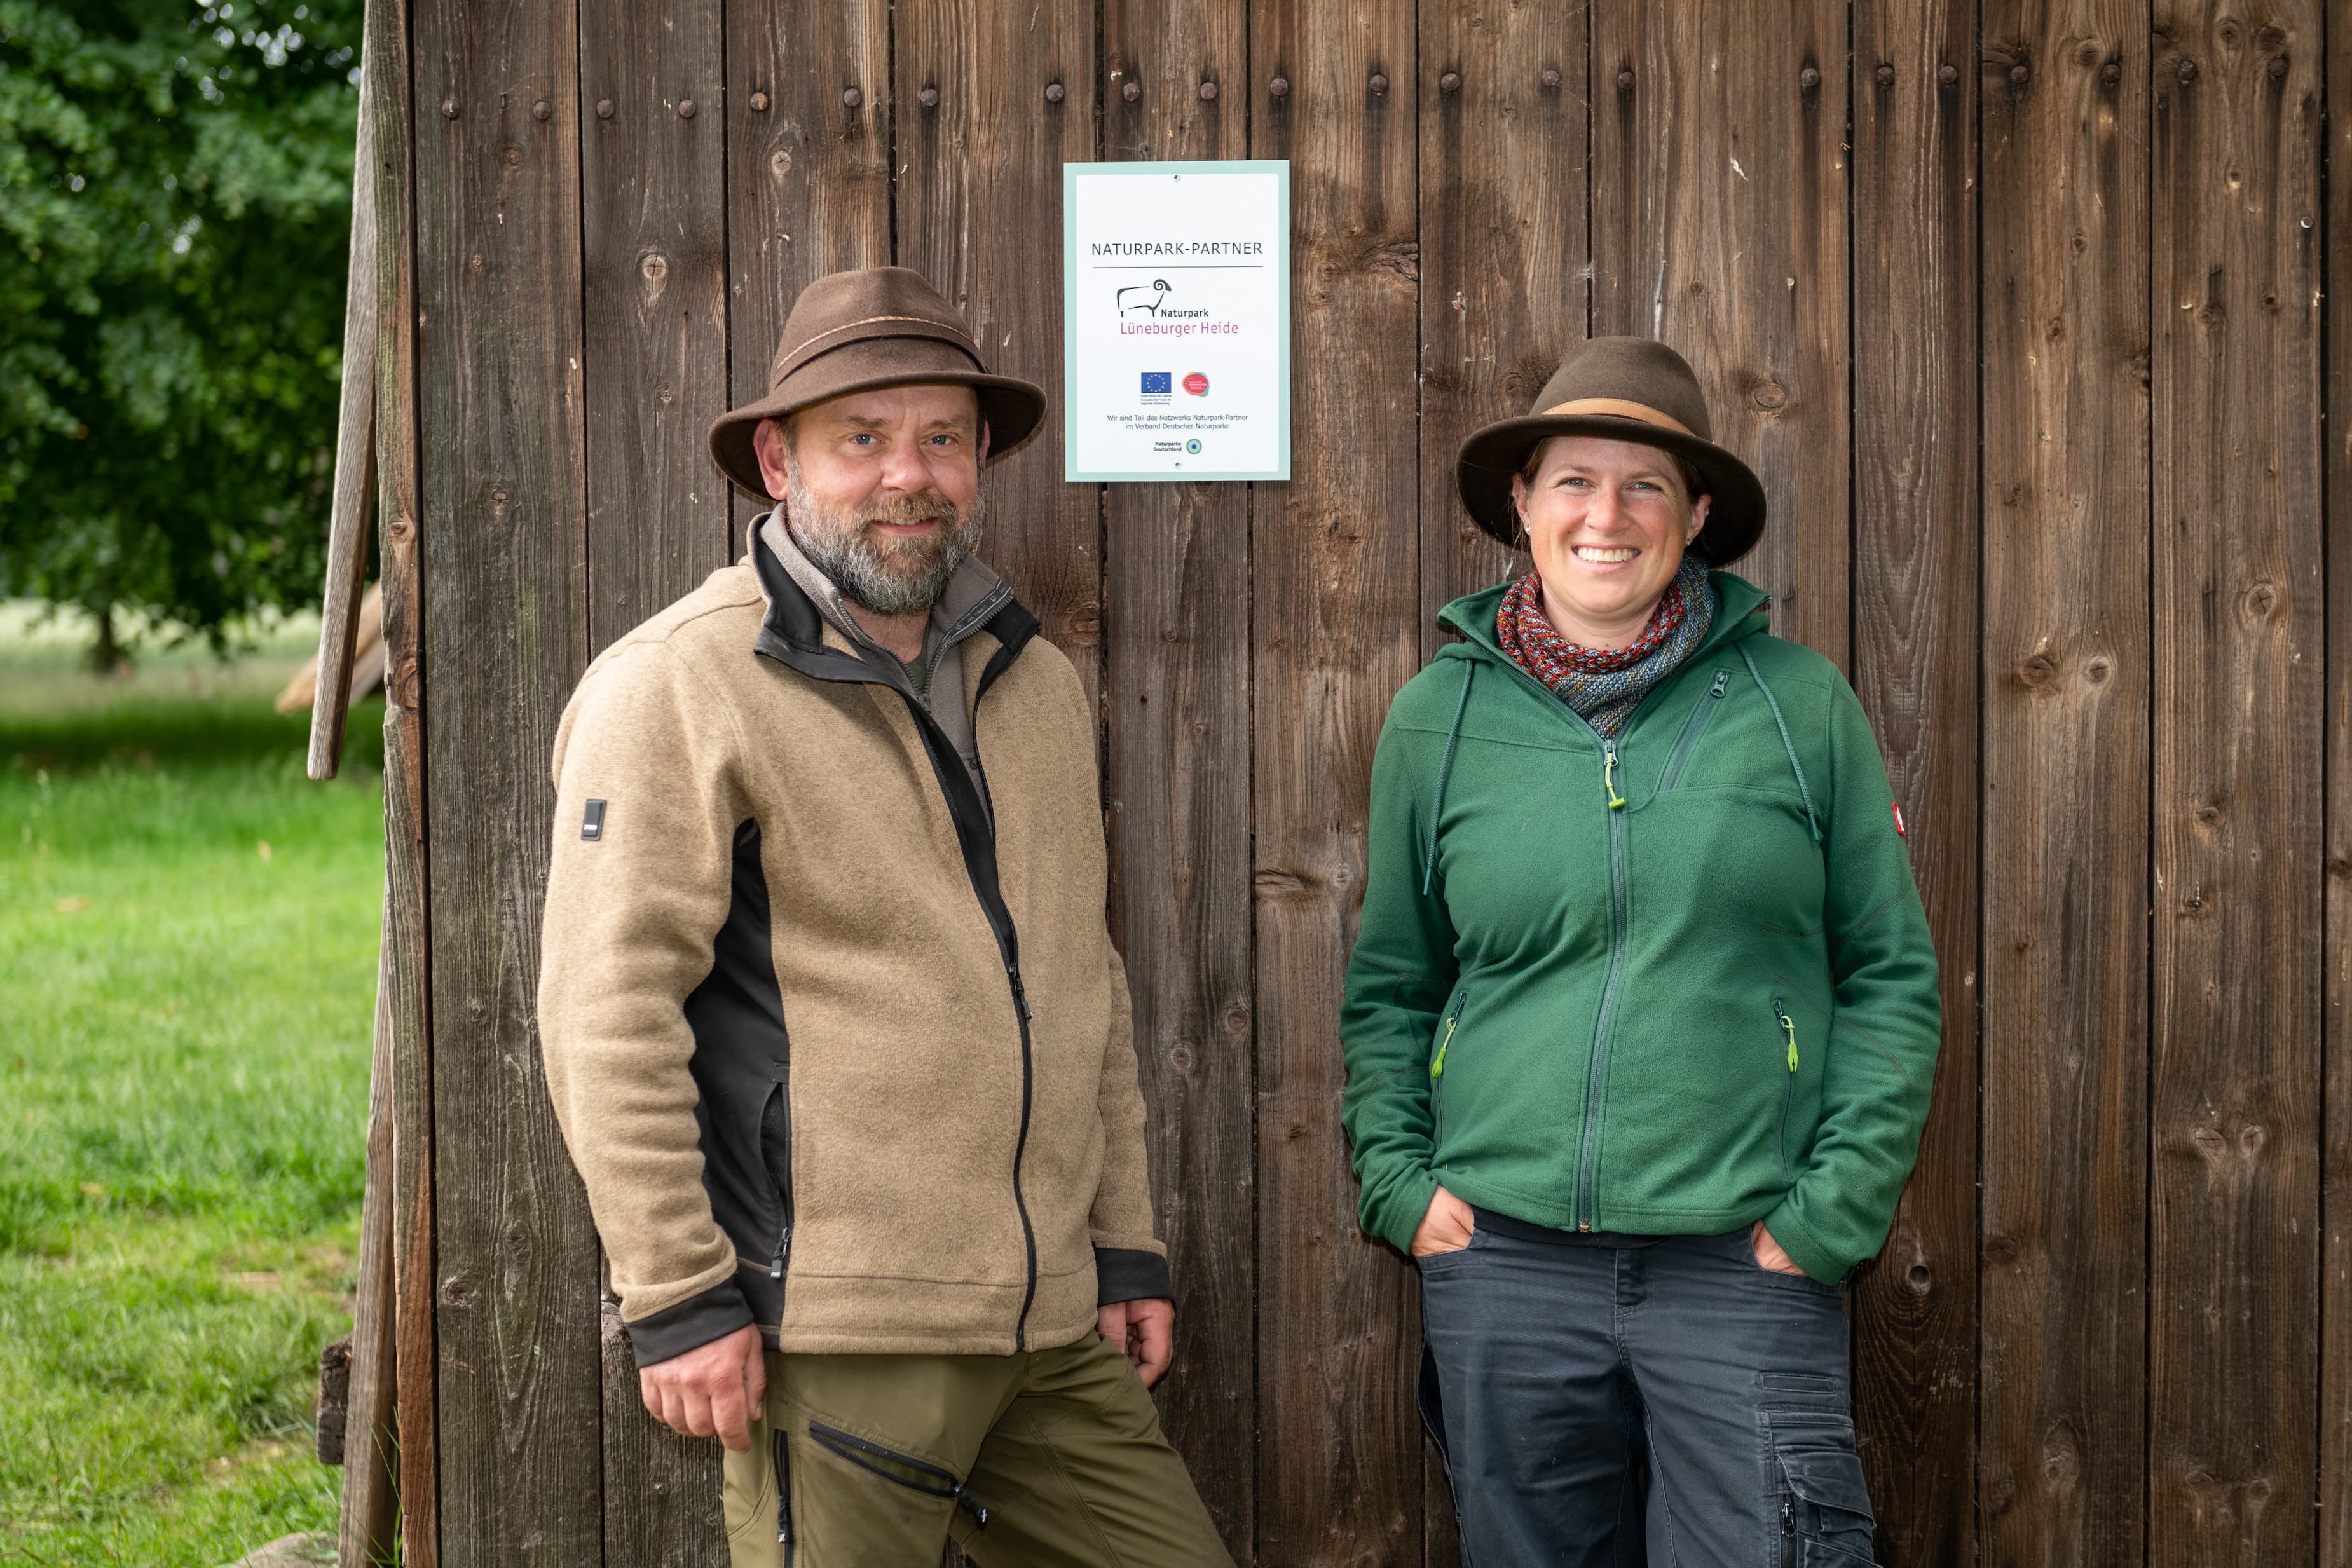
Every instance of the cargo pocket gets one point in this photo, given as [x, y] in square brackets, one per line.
[758, 1498]
[915, 1475]
[1825, 1518]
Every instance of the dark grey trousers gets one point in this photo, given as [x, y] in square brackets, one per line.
[1624, 1402]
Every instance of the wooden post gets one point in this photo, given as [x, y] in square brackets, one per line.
[370, 1443]
[2335, 514]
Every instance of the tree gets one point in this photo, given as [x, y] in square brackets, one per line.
[174, 225]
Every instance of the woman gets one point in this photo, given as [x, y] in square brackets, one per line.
[1642, 1016]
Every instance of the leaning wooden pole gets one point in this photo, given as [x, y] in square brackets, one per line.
[347, 530]
[371, 1448]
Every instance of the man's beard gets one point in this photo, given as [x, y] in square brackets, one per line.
[886, 576]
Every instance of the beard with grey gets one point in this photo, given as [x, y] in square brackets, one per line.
[883, 575]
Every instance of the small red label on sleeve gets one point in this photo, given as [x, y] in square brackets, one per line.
[1898, 820]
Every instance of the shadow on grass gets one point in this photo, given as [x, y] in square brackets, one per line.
[144, 731]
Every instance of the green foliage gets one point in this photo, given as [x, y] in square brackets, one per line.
[174, 233]
[183, 1065]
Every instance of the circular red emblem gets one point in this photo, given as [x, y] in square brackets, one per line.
[1197, 384]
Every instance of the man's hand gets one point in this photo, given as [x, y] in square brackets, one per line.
[1446, 1227]
[713, 1390]
[1768, 1251]
[1145, 1330]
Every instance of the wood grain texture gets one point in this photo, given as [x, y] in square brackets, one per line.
[2064, 215]
[503, 540]
[2239, 682]
[1719, 227]
[1176, 563]
[652, 219]
[808, 176]
[1915, 668]
[2336, 1170]
[1335, 600]
[980, 215]
[368, 1527]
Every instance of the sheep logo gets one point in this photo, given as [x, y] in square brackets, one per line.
[1158, 290]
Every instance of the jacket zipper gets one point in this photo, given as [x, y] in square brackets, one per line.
[782, 1461]
[1620, 920]
[874, 1456]
[1437, 1067]
[1701, 717]
[777, 1263]
[1788, 1084]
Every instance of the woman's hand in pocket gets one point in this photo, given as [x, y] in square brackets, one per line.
[1446, 1227]
[1768, 1254]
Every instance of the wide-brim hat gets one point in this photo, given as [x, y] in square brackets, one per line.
[858, 331]
[1621, 388]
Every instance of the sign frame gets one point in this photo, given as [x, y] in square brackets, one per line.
[1071, 173]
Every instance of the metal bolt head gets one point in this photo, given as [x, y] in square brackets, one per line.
[928, 97]
[2019, 75]
[2277, 67]
[1625, 78]
[1055, 92]
[759, 103]
[1450, 82]
[542, 109]
[2187, 72]
[1885, 74]
[685, 108]
[1550, 76]
[1132, 90]
[1808, 79]
[1208, 92]
[448, 108]
[851, 98]
[1279, 86]
[1378, 84]
[1947, 74]
[2111, 73]
[604, 108]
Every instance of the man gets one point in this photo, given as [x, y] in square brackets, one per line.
[832, 1023]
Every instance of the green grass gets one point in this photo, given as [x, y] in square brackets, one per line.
[188, 933]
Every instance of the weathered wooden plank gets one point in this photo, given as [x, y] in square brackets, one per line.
[1915, 667]
[370, 1442]
[1176, 563]
[1335, 600]
[2063, 213]
[503, 539]
[1505, 292]
[653, 215]
[2336, 1171]
[979, 207]
[808, 160]
[1720, 227]
[2239, 681]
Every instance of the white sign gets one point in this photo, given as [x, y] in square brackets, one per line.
[1176, 320]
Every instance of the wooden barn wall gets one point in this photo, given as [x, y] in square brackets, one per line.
[2018, 305]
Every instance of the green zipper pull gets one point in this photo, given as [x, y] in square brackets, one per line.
[1609, 773]
[1437, 1062]
[1790, 1025]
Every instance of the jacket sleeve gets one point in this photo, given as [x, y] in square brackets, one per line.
[638, 886]
[1130, 1264]
[1398, 979]
[1885, 1021]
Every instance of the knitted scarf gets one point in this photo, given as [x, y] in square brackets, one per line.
[1605, 684]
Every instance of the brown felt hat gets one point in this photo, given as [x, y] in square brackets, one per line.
[1621, 388]
[856, 331]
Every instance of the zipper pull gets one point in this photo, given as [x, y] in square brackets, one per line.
[783, 1467]
[972, 1505]
[1020, 996]
[1721, 678]
[1790, 1025]
[784, 1250]
[1608, 774]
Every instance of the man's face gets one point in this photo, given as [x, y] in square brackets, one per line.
[881, 489]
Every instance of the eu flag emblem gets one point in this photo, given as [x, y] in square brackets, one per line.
[1158, 381]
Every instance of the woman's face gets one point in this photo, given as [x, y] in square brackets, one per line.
[1607, 522]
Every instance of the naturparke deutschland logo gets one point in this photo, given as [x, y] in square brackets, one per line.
[1192, 447]
[1197, 384]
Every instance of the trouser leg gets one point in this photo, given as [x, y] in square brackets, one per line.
[1539, 1424]
[1076, 1474]
[1742, 1375]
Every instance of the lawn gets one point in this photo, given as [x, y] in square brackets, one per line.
[188, 933]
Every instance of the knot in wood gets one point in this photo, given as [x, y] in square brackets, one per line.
[685, 106]
[1885, 74]
[1055, 92]
[1378, 84]
[2087, 56]
[1279, 86]
[1810, 77]
[1130, 91]
[1771, 396]
[2097, 671]
[759, 103]
[1625, 78]
[2187, 72]
[1208, 92]
[2037, 671]
[1999, 1250]
[458, 1290]
[780, 163]
[542, 109]
[2252, 1138]
[511, 157]
[851, 98]
[604, 108]
[2208, 813]
[1947, 73]
[1550, 77]
[2258, 1489]
[2277, 68]
[928, 97]
[2261, 599]
[1919, 1278]
[1180, 1057]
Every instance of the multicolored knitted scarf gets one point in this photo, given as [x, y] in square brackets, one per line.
[1605, 684]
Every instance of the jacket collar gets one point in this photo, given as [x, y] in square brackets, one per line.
[1742, 610]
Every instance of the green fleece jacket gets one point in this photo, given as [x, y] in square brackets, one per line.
[1667, 984]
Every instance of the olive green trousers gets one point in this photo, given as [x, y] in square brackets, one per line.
[1039, 1459]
